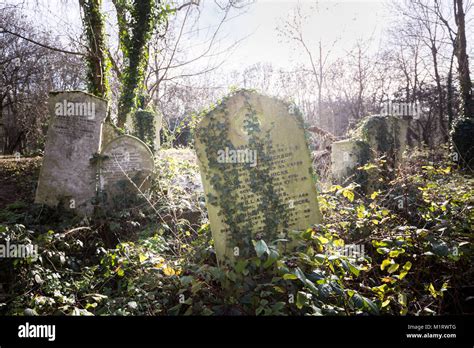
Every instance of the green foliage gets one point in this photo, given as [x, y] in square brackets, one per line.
[98, 63]
[137, 20]
[416, 258]
[144, 127]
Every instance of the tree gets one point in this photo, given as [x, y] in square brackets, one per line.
[96, 58]
[463, 129]
[136, 22]
[30, 67]
[465, 84]
[319, 59]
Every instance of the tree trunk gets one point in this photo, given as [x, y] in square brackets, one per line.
[450, 92]
[465, 84]
[97, 61]
[439, 88]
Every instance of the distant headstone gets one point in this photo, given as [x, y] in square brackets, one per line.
[145, 125]
[385, 135]
[346, 156]
[68, 173]
[256, 171]
[125, 170]
[376, 136]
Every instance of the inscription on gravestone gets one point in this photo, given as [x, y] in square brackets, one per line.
[67, 175]
[256, 172]
[126, 168]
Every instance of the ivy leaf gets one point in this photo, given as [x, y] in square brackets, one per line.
[396, 252]
[407, 266]
[240, 266]
[272, 257]
[289, 276]
[385, 263]
[348, 194]
[142, 257]
[374, 194]
[261, 248]
[402, 299]
[300, 299]
[393, 268]
[354, 269]
[371, 305]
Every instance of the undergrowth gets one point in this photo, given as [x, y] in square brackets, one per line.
[403, 249]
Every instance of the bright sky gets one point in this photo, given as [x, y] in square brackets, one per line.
[344, 21]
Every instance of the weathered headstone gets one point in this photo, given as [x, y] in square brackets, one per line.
[385, 135]
[68, 174]
[346, 156]
[256, 172]
[377, 135]
[146, 125]
[125, 171]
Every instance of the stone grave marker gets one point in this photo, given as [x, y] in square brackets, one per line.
[125, 171]
[377, 135]
[256, 172]
[68, 176]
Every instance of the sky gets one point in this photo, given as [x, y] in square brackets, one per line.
[341, 21]
[338, 24]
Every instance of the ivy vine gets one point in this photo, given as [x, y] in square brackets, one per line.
[98, 64]
[137, 19]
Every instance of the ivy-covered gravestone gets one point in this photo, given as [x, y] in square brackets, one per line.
[256, 172]
[68, 171]
[146, 126]
[376, 136]
[126, 168]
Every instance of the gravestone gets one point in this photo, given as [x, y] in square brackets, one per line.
[146, 125]
[126, 167]
[256, 171]
[68, 172]
[346, 156]
[385, 135]
[376, 136]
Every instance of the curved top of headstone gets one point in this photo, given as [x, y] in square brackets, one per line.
[237, 101]
[127, 139]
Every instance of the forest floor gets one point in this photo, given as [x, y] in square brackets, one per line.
[416, 258]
